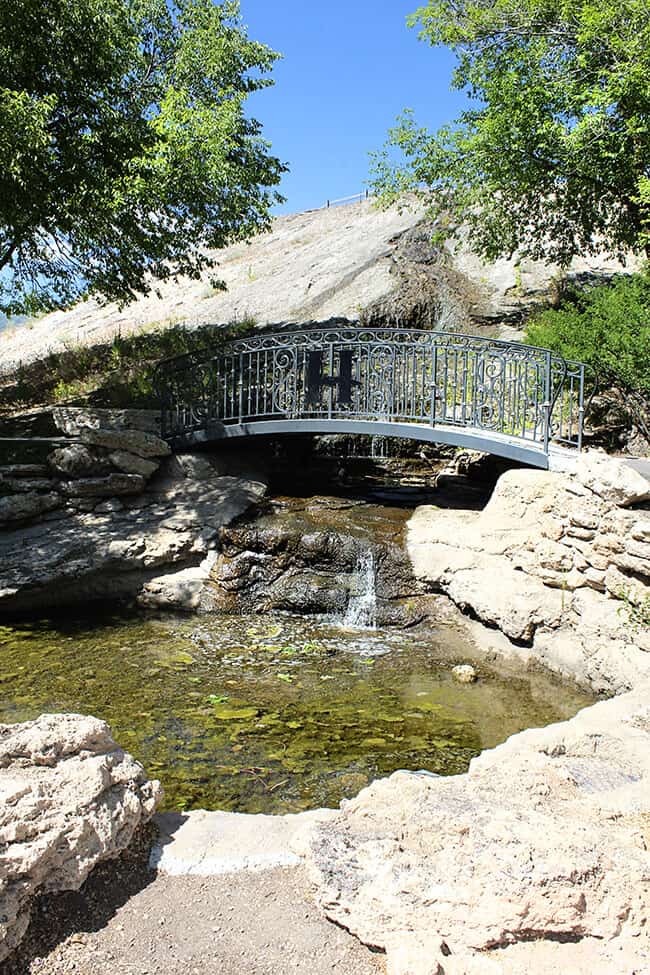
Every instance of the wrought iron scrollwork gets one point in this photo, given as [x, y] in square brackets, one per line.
[408, 375]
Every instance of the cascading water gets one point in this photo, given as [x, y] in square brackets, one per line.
[362, 606]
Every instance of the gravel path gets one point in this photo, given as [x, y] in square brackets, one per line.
[130, 921]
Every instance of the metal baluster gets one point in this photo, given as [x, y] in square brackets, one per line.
[434, 381]
[240, 389]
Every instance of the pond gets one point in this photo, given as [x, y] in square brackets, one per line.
[276, 713]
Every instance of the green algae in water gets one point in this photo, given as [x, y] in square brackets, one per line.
[271, 715]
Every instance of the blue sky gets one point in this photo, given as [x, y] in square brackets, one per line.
[349, 69]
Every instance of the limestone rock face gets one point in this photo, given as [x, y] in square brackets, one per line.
[544, 842]
[70, 798]
[322, 264]
[137, 442]
[117, 547]
[555, 562]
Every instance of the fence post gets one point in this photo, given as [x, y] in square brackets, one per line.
[581, 407]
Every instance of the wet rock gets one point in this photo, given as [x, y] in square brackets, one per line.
[307, 593]
[465, 674]
[23, 507]
[70, 799]
[284, 567]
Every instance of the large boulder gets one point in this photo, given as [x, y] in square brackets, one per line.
[542, 845]
[105, 487]
[76, 460]
[71, 420]
[132, 464]
[555, 562]
[70, 797]
[137, 442]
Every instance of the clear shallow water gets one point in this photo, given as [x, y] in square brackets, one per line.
[272, 714]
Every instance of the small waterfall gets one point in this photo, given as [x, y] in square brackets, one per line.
[362, 607]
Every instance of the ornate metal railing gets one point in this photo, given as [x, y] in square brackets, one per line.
[390, 374]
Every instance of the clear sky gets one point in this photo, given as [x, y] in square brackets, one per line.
[349, 69]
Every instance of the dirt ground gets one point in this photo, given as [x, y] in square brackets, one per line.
[128, 920]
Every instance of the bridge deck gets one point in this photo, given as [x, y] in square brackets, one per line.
[465, 437]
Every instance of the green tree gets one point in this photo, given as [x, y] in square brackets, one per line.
[552, 158]
[125, 150]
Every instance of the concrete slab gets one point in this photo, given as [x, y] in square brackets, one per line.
[208, 844]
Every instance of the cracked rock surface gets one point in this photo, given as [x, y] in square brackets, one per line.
[557, 562]
[151, 545]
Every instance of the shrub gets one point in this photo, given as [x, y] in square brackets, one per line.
[607, 327]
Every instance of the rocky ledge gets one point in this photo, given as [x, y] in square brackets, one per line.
[91, 531]
[70, 797]
[559, 563]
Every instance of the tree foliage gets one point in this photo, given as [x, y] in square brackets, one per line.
[125, 150]
[607, 326]
[552, 158]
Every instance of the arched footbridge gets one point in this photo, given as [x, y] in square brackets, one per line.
[506, 398]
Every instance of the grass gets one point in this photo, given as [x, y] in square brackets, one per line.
[119, 373]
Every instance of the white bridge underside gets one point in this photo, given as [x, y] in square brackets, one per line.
[469, 438]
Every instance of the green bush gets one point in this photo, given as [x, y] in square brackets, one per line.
[607, 327]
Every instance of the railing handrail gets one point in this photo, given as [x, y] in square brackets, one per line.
[399, 330]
